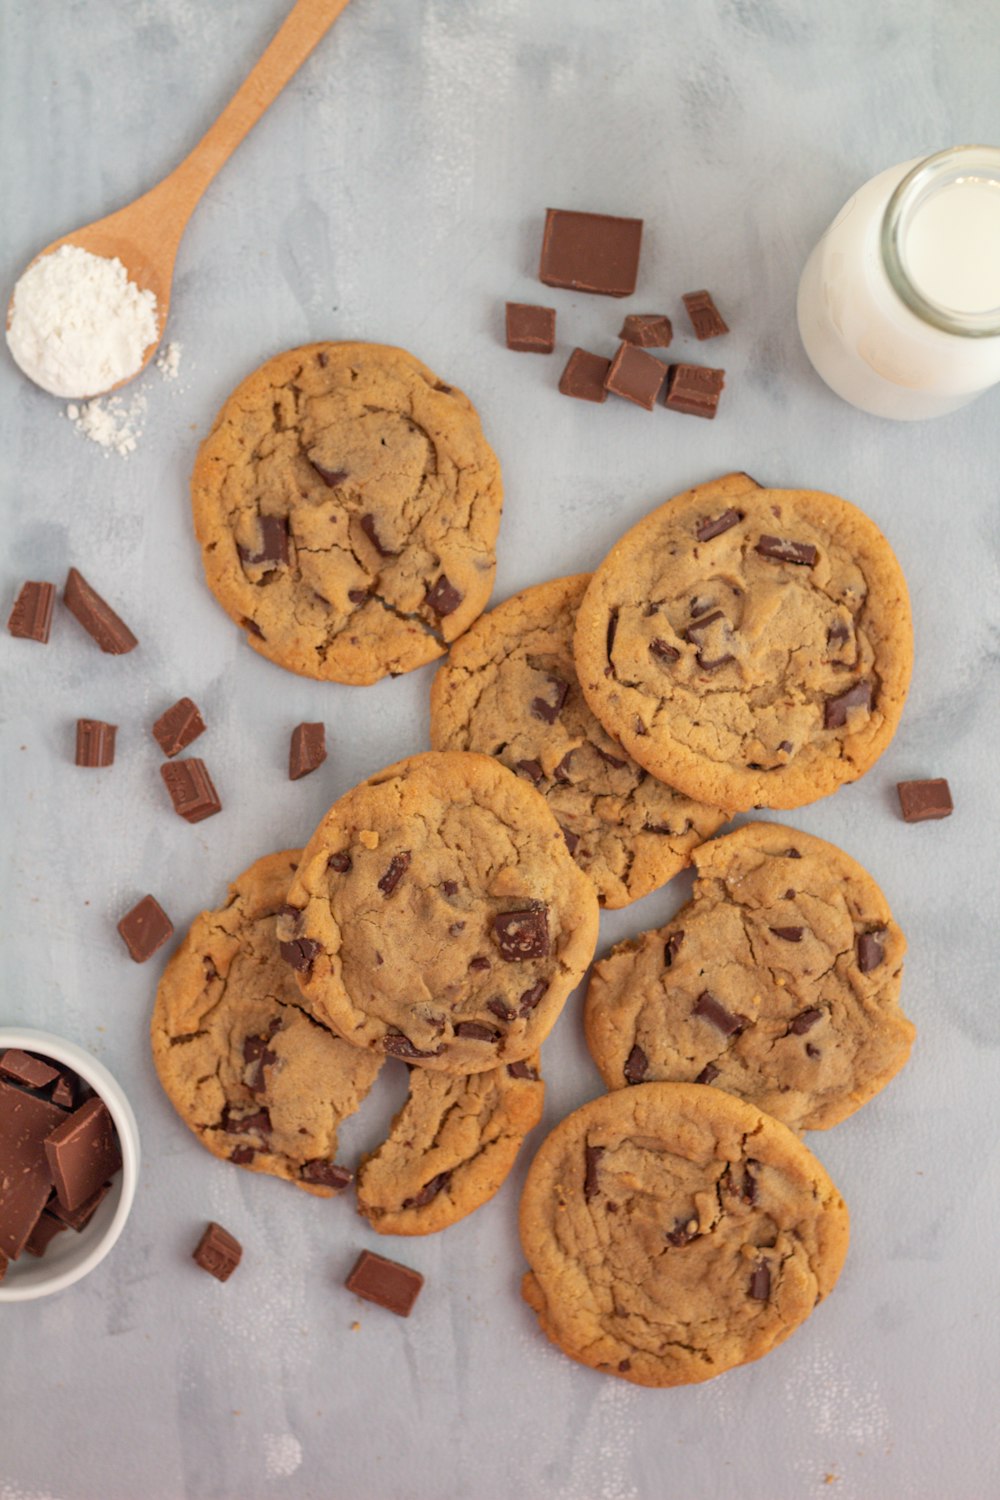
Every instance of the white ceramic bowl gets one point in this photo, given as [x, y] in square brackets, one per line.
[71, 1255]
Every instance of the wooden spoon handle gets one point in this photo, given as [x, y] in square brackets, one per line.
[304, 26]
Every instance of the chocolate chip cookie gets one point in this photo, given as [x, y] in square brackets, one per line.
[450, 1147]
[750, 647]
[347, 506]
[509, 689]
[779, 982]
[437, 915]
[258, 1081]
[674, 1232]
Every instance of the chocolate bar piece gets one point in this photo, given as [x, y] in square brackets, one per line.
[648, 330]
[584, 376]
[217, 1252]
[307, 751]
[95, 743]
[694, 390]
[590, 252]
[83, 1152]
[636, 375]
[531, 330]
[191, 789]
[920, 801]
[96, 616]
[25, 1176]
[385, 1282]
[79, 1218]
[43, 1234]
[175, 729]
[145, 928]
[21, 1067]
[31, 617]
[706, 319]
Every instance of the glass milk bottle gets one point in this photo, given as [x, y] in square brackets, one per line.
[899, 303]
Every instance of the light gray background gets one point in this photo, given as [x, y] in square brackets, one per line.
[396, 192]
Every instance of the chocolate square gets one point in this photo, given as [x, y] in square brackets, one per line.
[584, 376]
[95, 743]
[636, 375]
[531, 330]
[920, 801]
[145, 928]
[31, 617]
[217, 1252]
[385, 1282]
[648, 330]
[590, 252]
[175, 729]
[694, 390]
[706, 319]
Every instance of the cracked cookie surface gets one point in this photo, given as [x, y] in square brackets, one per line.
[258, 1080]
[347, 506]
[751, 647]
[509, 689]
[674, 1232]
[437, 916]
[450, 1148]
[779, 981]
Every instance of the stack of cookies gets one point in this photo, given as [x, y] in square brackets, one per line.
[739, 648]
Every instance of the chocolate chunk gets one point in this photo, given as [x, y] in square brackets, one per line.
[307, 751]
[145, 928]
[920, 801]
[340, 862]
[709, 1009]
[443, 597]
[531, 330]
[789, 934]
[648, 330]
[683, 1232]
[299, 953]
[612, 631]
[83, 1152]
[706, 320]
[530, 998]
[175, 729]
[636, 1065]
[326, 1174]
[584, 376]
[25, 1175]
[792, 854]
[97, 618]
[242, 1155]
[398, 1045]
[870, 952]
[257, 1055]
[449, 887]
[549, 712]
[590, 252]
[273, 551]
[694, 390]
[397, 868]
[367, 524]
[636, 375]
[663, 652]
[95, 743]
[713, 526]
[805, 1021]
[332, 478]
[623, 1364]
[358, 596]
[218, 1253]
[44, 1232]
[614, 761]
[760, 1283]
[522, 935]
[31, 617]
[475, 1031]
[64, 1093]
[522, 1070]
[191, 789]
[812, 1051]
[591, 1157]
[259, 1123]
[786, 747]
[253, 628]
[572, 839]
[838, 633]
[500, 1009]
[836, 709]
[532, 769]
[708, 1073]
[561, 772]
[670, 948]
[781, 550]
[694, 632]
[78, 1218]
[385, 1282]
[701, 605]
[478, 965]
[429, 1191]
[21, 1067]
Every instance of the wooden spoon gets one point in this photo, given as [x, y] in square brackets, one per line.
[146, 234]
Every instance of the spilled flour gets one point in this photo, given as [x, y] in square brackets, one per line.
[282, 1454]
[115, 423]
